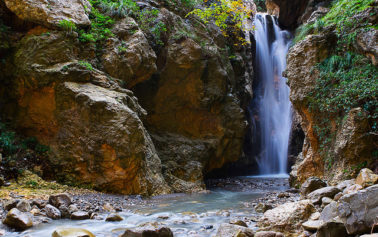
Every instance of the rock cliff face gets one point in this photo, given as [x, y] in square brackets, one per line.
[350, 139]
[77, 97]
[195, 102]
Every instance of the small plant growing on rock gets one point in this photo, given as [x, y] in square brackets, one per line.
[87, 65]
[67, 25]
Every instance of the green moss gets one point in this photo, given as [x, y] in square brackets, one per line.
[86, 64]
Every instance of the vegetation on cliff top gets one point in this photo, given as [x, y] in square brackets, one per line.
[228, 15]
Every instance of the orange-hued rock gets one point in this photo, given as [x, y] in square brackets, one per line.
[194, 113]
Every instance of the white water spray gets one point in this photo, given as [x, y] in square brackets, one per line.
[272, 95]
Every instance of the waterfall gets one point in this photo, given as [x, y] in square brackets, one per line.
[271, 104]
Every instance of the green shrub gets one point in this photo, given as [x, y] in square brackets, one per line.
[87, 65]
[67, 25]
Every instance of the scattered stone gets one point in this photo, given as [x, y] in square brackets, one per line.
[366, 178]
[352, 189]
[229, 230]
[18, 220]
[113, 217]
[23, 206]
[96, 216]
[312, 225]
[359, 210]
[52, 212]
[161, 232]
[72, 232]
[263, 207]
[317, 195]
[268, 234]
[2, 232]
[108, 207]
[345, 184]
[283, 195]
[80, 215]
[337, 196]
[36, 211]
[312, 184]
[239, 222]
[287, 216]
[331, 229]
[315, 216]
[60, 199]
[39, 203]
[10, 204]
[326, 201]
[64, 211]
[73, 208]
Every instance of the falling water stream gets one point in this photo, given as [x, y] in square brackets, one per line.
[272, 95]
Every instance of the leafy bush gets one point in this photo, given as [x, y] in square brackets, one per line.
[228, 15]
[346, 82]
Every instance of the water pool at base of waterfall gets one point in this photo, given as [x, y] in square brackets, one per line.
[186, 214]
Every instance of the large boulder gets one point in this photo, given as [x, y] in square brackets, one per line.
[51, 13]
[366, 178]
[229, 230]
[288, 217]
[58, 200]
[52, 212]
[18, 220]
[317, 195]
[359, 210]
[312, 184]
[115, 152]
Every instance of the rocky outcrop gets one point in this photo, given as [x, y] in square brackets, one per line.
[51, 13]
[301, 58]
[194, 103]
[91, 124]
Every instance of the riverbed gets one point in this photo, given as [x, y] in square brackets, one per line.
[227, 200]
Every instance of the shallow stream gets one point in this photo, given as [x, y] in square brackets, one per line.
[187, 215]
